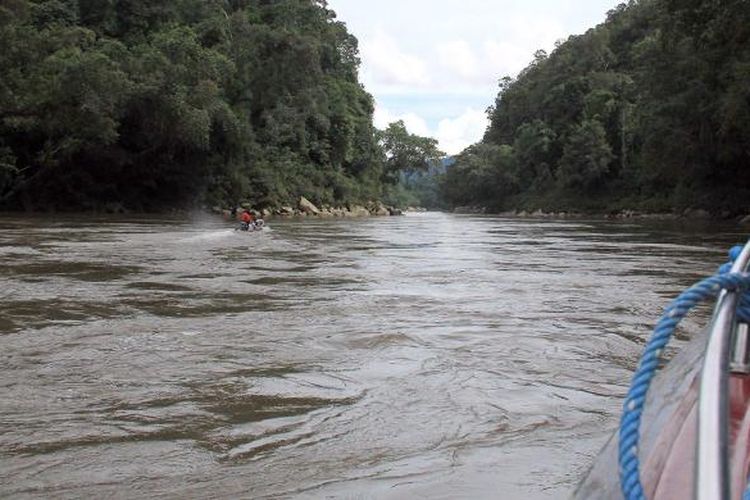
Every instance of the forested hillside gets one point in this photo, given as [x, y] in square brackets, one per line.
[649, 110]
[148, 104]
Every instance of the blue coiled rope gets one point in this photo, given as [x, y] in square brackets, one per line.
[630, 423]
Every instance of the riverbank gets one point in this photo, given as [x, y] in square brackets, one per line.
[235, 359]
[687, 214]
[305, 208]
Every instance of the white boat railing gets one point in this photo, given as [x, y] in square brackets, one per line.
[712, 475]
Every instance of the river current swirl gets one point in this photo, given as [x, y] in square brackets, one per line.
[424, 356]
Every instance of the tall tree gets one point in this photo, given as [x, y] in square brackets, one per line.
[651, 108]
[405, 151]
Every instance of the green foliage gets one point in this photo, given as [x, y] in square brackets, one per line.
[653, 105]
[8, 168]
[405, 151]
[484, 174]
[534, 148]
[586, 158]
[399, 195]
[156, 103]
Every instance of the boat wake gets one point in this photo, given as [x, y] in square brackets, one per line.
[208, 236]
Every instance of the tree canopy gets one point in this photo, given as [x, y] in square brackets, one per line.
[148, 104]
[405, 151]
[650, 109]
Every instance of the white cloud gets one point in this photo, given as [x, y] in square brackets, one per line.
[437, 73]
[394, 63]
[537, 33]
[459, 57]
[515, 51]
[455, 134]
[414, 123]
[505, 58]
[386, 63]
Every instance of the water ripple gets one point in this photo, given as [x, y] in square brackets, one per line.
[430, 355]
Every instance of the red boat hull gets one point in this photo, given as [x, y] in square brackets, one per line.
[669, 432]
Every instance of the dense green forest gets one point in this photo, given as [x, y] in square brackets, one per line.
[150, 104]
[649, 110]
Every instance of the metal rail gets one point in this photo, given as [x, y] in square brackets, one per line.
[712, 454]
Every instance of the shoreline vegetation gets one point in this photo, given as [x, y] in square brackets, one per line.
[305, 208]
[648, 112]
[695, 214]
[155, 105]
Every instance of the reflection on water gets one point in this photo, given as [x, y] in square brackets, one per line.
[429, 355]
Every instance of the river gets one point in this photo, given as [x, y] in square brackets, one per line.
[424, 356]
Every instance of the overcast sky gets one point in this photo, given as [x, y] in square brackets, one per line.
[435, 63]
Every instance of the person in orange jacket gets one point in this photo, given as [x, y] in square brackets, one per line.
[246, 219]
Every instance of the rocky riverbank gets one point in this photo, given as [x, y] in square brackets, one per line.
[687, 214]
[305, 208]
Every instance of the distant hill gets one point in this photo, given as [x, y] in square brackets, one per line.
[650, 110]
[423, 186]
[151, 104]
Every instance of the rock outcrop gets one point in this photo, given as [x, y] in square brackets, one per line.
[377, 208]
[308, 209]
[358, 211]
[306, 206]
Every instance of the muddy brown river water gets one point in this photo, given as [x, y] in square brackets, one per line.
[424, 356]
